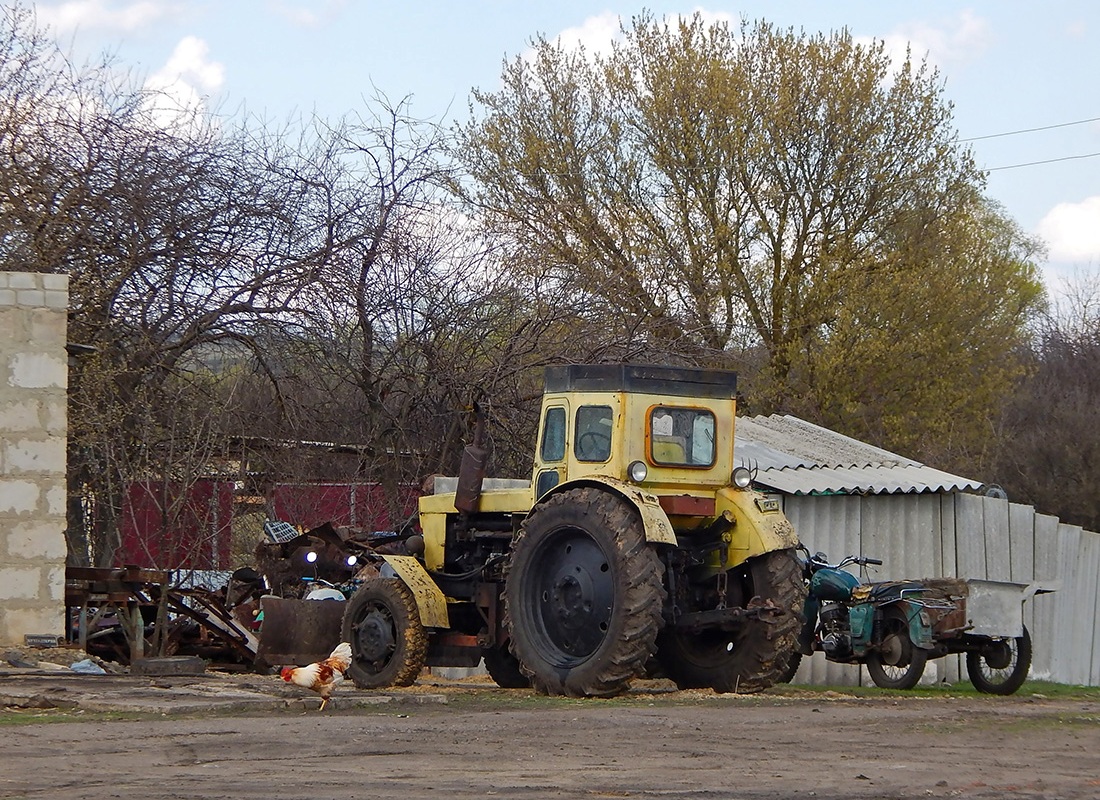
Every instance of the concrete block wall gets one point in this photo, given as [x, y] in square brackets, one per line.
[33, 429]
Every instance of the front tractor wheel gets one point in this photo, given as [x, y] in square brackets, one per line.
[583, 595]
[388, 641]
[758, 653]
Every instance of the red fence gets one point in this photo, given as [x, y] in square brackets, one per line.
[356, 504]
[163, 530]
[166, 526]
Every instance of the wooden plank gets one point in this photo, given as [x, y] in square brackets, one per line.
[900, 530]
[998, 556]
[949, 669]
[1021, 538]
[1066, 656]
[970, 549]
[1039, 613]
[1089, 578]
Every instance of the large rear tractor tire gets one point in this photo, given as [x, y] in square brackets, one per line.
[793, 664]
[583, 595]
[756, 655]
[388, 642]
[503, 668]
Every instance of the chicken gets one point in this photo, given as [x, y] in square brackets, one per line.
[321, 676]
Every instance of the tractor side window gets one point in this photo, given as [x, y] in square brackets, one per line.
[681, 436]
[553, 434]
[593, 433]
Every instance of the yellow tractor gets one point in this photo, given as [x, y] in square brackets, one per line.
[638, 547]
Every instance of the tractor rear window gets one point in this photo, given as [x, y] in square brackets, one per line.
[681, 436]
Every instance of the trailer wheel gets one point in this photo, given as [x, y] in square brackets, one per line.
[1001, 666]
[758, 653]
[583, 595]
[899, 664]
[388, 641]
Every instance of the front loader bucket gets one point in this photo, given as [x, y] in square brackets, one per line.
[297, 632]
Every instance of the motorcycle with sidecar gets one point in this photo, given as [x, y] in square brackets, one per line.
[894, 627]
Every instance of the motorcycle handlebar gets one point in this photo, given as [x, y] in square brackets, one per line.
[819, 560]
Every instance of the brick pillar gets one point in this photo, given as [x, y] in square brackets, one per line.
[33, 428]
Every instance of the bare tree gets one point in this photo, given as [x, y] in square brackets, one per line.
[1048, 443]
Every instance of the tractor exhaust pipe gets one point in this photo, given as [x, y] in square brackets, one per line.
[471, 473]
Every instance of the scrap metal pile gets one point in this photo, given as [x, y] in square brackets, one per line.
[261, 617]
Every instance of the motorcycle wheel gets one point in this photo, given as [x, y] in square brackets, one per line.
[1002, 666]
[898, 664]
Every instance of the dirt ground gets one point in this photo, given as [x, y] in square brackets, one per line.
[463, 740]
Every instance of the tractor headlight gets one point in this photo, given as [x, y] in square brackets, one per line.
[742, 477]
[637, 471]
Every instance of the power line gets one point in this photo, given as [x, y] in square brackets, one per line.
[1030, 130]
[1047, 161]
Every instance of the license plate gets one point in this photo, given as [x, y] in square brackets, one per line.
[767, 504]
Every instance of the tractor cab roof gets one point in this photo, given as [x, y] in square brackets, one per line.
[642, 379]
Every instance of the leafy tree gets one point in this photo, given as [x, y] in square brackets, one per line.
[923, 346]
[755, 198]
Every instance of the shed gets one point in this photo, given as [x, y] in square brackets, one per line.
[848, 497]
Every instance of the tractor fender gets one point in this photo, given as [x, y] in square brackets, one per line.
[758, 524]
[430, 601]
[658, 528]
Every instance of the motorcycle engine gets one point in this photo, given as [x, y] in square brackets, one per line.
[836, 633]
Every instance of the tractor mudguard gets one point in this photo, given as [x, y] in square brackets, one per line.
[758, 524]
[658, 528]
[430, 601]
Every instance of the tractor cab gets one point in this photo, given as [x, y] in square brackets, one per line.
[657, 426]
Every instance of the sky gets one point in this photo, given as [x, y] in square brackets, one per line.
[1024, 77]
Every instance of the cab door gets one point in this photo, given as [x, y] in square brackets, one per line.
[550, 468]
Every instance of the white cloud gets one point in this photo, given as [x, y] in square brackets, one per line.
[595, 34]
[104, 14]
[179, 89]
[189, 62]
[958, 40]
[1072, 230]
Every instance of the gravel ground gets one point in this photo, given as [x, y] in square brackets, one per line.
[244, 736]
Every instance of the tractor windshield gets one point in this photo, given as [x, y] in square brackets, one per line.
[593, 434]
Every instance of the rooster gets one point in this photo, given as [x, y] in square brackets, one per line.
[321, 676]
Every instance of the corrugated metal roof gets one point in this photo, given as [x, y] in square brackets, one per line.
[797, 457]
